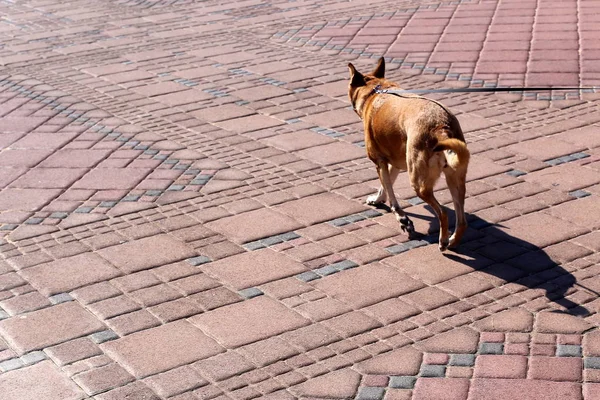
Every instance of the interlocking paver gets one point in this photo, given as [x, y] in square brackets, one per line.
[49, 326]
[182, 204]
[248, 321]
[24, 383]
[69, 273]
[162, 348]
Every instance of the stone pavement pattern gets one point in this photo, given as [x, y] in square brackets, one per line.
[182, 203]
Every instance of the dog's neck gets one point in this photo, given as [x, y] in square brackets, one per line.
[359, 101]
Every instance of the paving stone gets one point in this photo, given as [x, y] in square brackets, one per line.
[112, 178]
[549, 322]
[253, 268]
[367, 285]
[568, 350]
[103, 378]
[24, 384]
[338, 384]
[402, 382]
[458, 340]
[319, 208]
[462, 360]
[69, 273]
[257, 224]
[440, 388]
[49, 326]
[134, 391]
[242, 323]
[440, 268]
[555, 368]
[500, 366]
[401, 362]
[73, 350]
[223, 366]
[146, 253]
[162, 348]
[370, 393]
[175, 381]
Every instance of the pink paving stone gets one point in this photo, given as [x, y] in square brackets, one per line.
[367, 285]
[332, 153]
[555, 368]
[112, 178]
[145, 253]
[246, 322]
[26, 199]
[222, 113]
[297, 140]
[441, 389]
[545, 148]
[511, 320]
[533, 229]
[458, 340]
[579, 212]
[40, 381]
[591, 344]
[523, 389]
[322, 207]
[75, 158]
[565, 177]
[128, 76]
[157, 89]
[500, 366]
[44, 178]
[161, 348]
[552, 322]
[338, 384]
[69, 273]
[249, 123]
[264, 92]
[430, 266]
[403, 361]
[20, 124]
[333, 118]
[435, 358]
[49, 326]
[254, 225]
[253, 268]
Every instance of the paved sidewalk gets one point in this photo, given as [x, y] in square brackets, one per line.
[182, 214]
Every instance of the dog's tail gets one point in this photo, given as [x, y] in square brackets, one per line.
[460, 154]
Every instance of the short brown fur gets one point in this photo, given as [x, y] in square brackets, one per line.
[416, 134]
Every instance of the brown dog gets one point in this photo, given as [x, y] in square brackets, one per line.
[408, 132]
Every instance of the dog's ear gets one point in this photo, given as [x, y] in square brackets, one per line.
[356, 78]
[379, 71]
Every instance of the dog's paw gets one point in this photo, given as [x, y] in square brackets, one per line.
[443, 246]
[407, 225]
[375, 200]
[453, 243]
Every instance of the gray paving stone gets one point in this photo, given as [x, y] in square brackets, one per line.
[33, 357]
[568, 350]
[432, 371]
[370, 393]
[491, 348]
[402, 382]
[591, 362]
[462, 360]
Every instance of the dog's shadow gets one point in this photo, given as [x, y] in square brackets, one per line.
[514, 259]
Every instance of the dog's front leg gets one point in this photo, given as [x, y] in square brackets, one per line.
[377, 198]
[387, 176]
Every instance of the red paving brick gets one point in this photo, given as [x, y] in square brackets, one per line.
[142, 164]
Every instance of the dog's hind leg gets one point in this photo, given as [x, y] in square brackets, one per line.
[387, 176]
[423, 179]
[456, 185]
